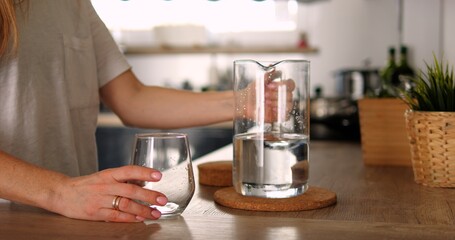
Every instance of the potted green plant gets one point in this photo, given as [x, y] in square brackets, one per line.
[382, 125]
[431, 125]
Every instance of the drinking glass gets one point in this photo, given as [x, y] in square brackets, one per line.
[170, 154]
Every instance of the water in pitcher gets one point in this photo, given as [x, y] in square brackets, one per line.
[271, 165]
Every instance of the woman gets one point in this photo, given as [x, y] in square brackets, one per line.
[58, 61]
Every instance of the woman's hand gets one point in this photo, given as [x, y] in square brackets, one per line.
[277, 98]
[92, 197]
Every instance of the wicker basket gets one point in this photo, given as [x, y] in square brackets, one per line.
[432, 141]
[383, 132]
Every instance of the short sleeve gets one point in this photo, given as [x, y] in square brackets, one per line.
[110, 61]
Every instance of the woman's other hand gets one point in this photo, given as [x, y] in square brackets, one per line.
[94, 197]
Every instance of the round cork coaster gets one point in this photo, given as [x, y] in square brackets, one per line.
[217, 173]
[313, 198]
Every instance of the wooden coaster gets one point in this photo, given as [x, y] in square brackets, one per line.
[217, 174]
[313, 198]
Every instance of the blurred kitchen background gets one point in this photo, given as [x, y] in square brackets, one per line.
[191, 44]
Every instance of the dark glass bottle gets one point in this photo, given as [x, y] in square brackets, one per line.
[386, 75]
[402, 76]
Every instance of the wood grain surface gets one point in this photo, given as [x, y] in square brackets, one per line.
[216, 173]
[372, 203]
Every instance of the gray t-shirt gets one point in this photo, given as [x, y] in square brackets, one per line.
[49, 99]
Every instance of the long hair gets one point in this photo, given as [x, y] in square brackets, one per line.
[8, 27]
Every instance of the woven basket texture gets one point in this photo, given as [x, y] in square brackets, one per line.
[432, 142]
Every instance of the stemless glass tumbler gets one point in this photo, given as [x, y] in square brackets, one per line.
[170, 154]
[271, 126]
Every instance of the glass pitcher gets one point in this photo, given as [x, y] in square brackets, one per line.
[271, 128]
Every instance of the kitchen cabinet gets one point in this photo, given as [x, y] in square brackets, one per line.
[115, 141]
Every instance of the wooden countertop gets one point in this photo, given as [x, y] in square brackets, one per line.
[373, 203]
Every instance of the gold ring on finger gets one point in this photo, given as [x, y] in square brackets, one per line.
[116, 202]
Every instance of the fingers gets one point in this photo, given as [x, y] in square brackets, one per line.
[132, 204]
[127, 208]
[279, 95]
[272, 98]
[110, 215]
[137, 175]
[130, 211]
[92, 197]
[131, 173]
[279, 100]
[271, 75]
[143, 210]
[136, 192]
[290, 85]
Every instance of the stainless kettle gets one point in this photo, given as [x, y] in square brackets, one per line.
[352, 83]
[334, 117]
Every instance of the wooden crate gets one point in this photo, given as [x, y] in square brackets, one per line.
[383, 132]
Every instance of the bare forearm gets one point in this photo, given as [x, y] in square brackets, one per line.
[25, 183]
[85, 197]
[157, 107]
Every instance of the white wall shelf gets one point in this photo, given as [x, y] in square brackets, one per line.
[215, 50]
